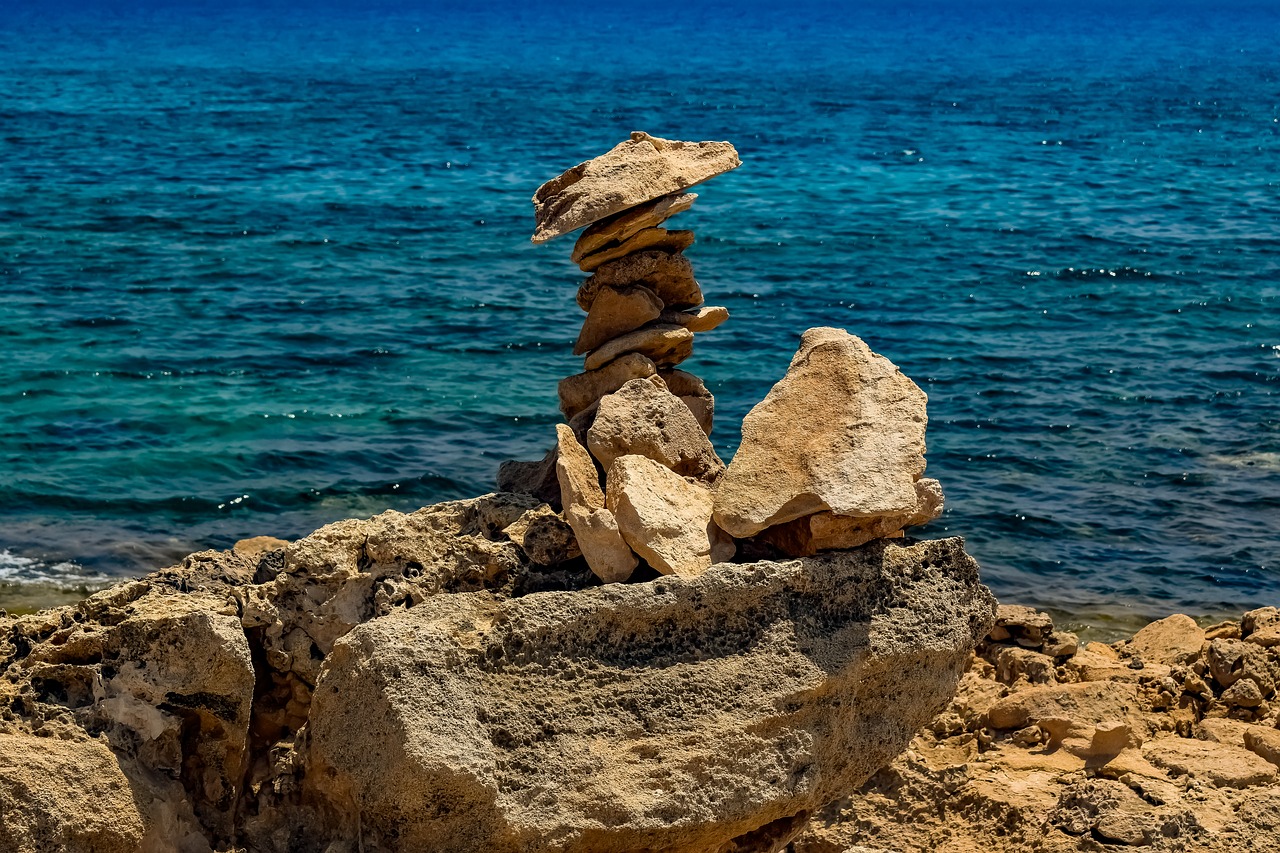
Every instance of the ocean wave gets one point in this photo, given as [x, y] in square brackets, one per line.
[66, 575]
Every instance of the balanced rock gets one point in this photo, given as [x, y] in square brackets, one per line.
[619, 227]
[665, 346]
[665, 518]
[702, 319]
[826, 531]
[643, 417]
[580, 391]
[842, 432]
[616, 311]
[695, 395]
[648, 238]
[668, 274]
[594, 526]
[632, 172]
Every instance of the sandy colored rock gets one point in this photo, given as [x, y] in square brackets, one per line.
[1263, 742]
[594, 526]
[256, 546]
[631, 173]
[644, 418]
[1259, 619]
[593, 721]
[543, 536]
[1220, 764]
[665, 346]
[826, 531]
[1024, 625]
[616, 229]
[842, 432]
[1267, 637]
[580, 391]
[702, 319]
[663, 517]
[536, 479]
[666, 274]
[616, 311]
[1173, 640]
[1086, 702]
[648, 238]
[695, 395]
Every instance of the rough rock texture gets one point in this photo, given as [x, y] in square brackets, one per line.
[616, 311]
[616, 229]
[665, 518]
[826, 531]
[680, 714]
[665, 346]
[594, 526]
[702, 319]
[536, 479]
[695, 395]
[582, 390]
[1061, 753]
[643, 417]
[633, 172]
[666, 274]
[647, 238]
[842, 432]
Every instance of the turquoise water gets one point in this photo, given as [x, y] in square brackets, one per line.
[264, 270]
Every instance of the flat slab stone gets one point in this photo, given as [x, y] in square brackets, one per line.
[643, 417]
[633, 172]
[616, 311]
[619, 227]
[582, 390]
[826, 531]
[648, 238]
[702, 319]
[842, 432]
[666, 346]
[670, 275]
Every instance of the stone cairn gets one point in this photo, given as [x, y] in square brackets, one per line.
[831, 458]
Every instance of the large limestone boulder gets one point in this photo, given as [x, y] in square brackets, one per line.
[631, 173]
[674, 715]
[842, 432]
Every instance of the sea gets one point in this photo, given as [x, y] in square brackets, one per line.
[266, 266]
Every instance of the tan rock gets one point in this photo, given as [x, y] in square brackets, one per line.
[1243, 694]
[1222, 730]
[594, 526]
[663, 517]
[631, 173]
[1268, 637]
[648, 238]
[1024, 625]
[1175, 639]
[617, 228]
[644, 418]
[580, 391]
[256, 546]
[1061, 644]
[665, 346]
[1084, 702]
[1259, 619]
[666, 274]
[826, 531]
[695, 395]
[1263, 742]
[702, 319]
[1217, 763]
[1232, 660]
[544, 536]
[616, 311]
[842, 432]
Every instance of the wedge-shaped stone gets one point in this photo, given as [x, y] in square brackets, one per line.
[670, 275]
[616, 311]
[582, 390]
[695, 395]
[537, 479]
[702, 319]
[842, 432]
[648, 238]
[618, 228]
[826, 531]
[631, 173]
[593, 525]
[666, 346]
[643, 417]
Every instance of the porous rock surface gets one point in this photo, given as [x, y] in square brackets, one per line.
[420, 682]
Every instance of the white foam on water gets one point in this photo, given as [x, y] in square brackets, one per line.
[18, 570]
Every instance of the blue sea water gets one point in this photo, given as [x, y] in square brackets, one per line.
[264, 268]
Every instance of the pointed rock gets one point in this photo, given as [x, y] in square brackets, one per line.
[580, 391]
[666, 274]
[618, 228]
[695, 395]
[616, 311]
[649, 238]
[532, 478]
[702, 319]
[663, 517]
[644, 418]
[631, 173]
[666, 346]
[826, 531]
[594, 526]
[842, 432]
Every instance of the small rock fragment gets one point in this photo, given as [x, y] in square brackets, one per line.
[621, 226]
[702, 319]
[580, 391]
[1173, 640]
[648, 238]
[616, 311]
[256, 546]
[665, 346]
[666, 274]
[646, 419]
[1243, 694]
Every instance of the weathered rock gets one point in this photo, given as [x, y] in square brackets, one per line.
[702, 319]
[695, 395]
[1175, 639]
[1245, 693]
[643, 417]
[617, 228]
[665, 518]
[536, 479]
[1232, 660]
[632, 172]
[616, 311]
[648, 238]
[1264, 743]
[256, 546]
[665, 346]
[544, 536]
[1087, 702]
[580, 391]
[1258, 619]
[842, 432]
[672, 715]
[594, 526]
[666, 274]
[1023, 625]
[1220, 764]
[826, 531]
